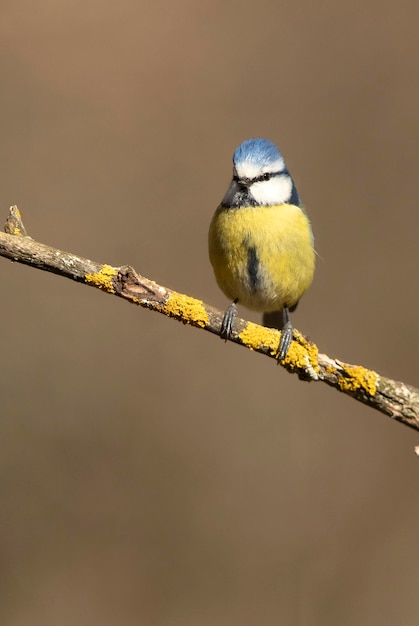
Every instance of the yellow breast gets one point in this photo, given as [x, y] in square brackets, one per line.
[263, 256]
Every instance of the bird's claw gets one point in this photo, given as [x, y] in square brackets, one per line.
[285, 341]
[228, 321]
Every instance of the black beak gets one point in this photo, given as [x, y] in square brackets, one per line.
[244, 183]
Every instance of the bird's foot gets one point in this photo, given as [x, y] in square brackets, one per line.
[228, 321]
[285, 341]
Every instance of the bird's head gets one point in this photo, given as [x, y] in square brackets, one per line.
[260, 176]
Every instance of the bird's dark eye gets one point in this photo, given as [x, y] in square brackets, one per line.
[265, 176]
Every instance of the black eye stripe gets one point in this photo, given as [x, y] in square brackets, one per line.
[265, 176]
[257, 179]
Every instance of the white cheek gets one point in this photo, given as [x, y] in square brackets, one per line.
[277, 190]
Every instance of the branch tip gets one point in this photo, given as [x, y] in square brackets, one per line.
[14, 224]
[395, 399]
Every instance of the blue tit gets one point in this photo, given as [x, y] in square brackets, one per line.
[260, 240]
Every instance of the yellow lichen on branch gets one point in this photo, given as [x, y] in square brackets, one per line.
[191, 310]
[103, 279]
[395, 399]
[358, 377]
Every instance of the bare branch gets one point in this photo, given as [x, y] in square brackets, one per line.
[395, 399]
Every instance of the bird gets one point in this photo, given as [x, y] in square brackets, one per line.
[260, 240]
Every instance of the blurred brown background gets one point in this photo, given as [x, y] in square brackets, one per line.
[242, 496]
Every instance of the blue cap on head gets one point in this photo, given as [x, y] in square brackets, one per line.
[259, 152]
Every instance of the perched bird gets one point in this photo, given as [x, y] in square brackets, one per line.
[260, 239]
